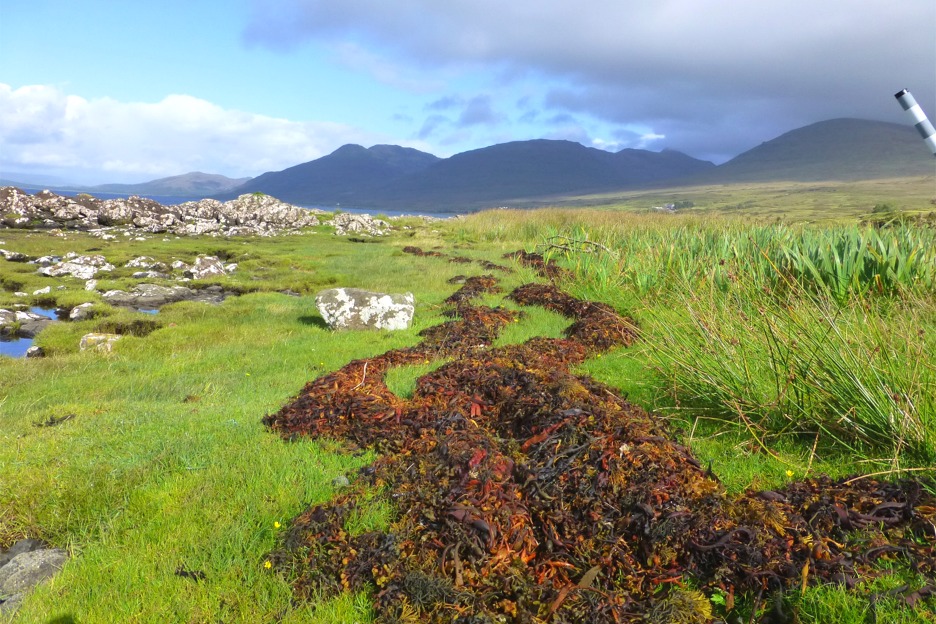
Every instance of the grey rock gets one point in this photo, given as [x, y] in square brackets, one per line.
[19, 323]
[354, 308]
[154, 296]
[340, 481]
[150, 275]
[35, 352]
[28, 569]
[81, 312]
[24, 545]
[13, 256]
[147, 263]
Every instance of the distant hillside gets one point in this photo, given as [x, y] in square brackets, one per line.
[386, 176]
[350, 175]
[837, 149]
[195, 183]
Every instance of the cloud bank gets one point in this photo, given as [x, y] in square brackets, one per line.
[45, 129]
[714, 77]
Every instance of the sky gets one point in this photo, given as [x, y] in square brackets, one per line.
[97, 91]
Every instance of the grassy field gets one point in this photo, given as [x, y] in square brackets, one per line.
[823, 202]
[775, 351]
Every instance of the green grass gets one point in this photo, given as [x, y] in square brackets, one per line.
[164, 462]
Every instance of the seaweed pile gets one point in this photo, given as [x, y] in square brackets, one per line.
[525, 493]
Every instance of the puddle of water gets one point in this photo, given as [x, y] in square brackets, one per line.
[148, 310]
[14, 347]
[17, 346]
[46, 312]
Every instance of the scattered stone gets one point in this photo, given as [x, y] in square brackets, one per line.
[20, 293]
[354, 308]
[145, 262]
[43, 291]
[82, 267]
[347, 223]
[205, 266]
[13, 256]
[150, 275]
[340, 481]
[45, 261]
[81, 312]
[35, 352]
[98, 342]
[91, 284]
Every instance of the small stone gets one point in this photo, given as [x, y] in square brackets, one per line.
[340, 481]
[35, 352]
[43, 291]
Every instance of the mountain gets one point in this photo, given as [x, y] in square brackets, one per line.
[195, 183]
[386, 176]
[351, 175]
[837, 149]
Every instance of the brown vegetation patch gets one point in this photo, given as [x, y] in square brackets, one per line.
[525, 493]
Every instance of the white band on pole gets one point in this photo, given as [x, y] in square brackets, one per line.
[922, 124]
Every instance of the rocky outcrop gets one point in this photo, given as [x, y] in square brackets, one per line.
[354, 308]
[251, 214]
[361, 224]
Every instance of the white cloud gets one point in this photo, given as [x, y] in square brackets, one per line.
[104, 140]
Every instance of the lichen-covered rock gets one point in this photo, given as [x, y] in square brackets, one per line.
[98, 342]
[354, 308]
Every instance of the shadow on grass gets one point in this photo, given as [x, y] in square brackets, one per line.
[314, 321]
